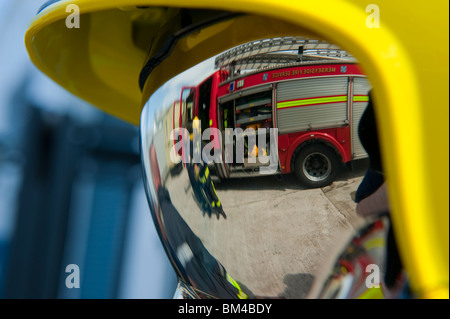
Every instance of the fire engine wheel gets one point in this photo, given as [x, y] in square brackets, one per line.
[316, 165]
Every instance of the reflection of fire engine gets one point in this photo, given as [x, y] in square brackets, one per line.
[315, 102]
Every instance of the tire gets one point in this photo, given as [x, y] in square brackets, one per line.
[316, 166]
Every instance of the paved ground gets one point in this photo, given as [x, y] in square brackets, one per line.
[277, 233]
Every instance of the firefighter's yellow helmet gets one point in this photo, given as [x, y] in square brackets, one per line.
[122, 51]
[196, 124]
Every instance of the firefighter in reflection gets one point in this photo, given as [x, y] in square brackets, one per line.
[195, 264]
[200, 177]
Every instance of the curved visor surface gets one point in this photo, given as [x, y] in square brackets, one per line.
[243, 163]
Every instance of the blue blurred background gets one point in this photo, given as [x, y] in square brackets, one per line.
[71, 189]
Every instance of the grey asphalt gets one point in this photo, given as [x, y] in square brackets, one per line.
[277, 234]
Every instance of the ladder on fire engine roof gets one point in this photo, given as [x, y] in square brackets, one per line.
[278, 51]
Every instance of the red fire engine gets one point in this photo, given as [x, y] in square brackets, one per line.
[315, 104]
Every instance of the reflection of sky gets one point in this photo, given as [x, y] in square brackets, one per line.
[170, 92]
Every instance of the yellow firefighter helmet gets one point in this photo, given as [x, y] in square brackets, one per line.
[122, 51]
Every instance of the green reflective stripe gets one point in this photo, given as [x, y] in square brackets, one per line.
[318, 100]
[233, 282]
[361, 98]
[241, 294]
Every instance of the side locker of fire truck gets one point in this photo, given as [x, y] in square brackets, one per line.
[323, 113]
[313, 105]
[249, 110]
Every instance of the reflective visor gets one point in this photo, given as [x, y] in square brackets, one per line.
[243, 162]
